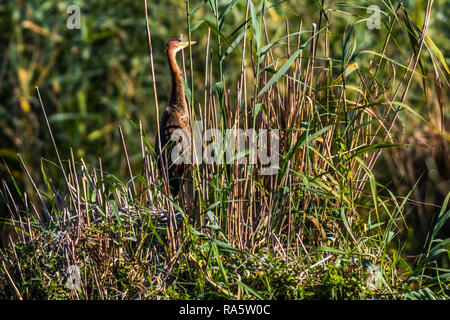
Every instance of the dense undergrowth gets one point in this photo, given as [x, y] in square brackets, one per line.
[320, 227]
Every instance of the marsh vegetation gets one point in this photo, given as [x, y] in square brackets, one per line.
[337, 220]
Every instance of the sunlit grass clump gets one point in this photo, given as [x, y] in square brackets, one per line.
[316, 228]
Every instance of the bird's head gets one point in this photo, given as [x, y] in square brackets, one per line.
[174, 45]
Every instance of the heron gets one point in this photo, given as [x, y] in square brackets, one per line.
[175, 117]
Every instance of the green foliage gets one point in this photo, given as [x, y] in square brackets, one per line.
[325, 226]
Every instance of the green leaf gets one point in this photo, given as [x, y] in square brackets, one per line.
[253, 292]
[213, 28]
[284, 68]
[442, 218]
[347, 226]
[240, 155]
[255, 26]
[430, 256]
[225, 246]
[437, 52]
[219, 90]
[225, 11]
[116, 212]
[187, 91]
[198, 6]
[234, 44]
[374, 146]
[257, 108]
[327, 249]
[219, 263]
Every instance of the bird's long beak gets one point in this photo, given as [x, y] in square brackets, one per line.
[185, 44]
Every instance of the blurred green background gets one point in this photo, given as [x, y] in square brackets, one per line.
[95, 78]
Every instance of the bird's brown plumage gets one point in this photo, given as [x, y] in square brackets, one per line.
[176, 116]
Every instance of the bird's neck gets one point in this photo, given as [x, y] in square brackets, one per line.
[177, 99]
